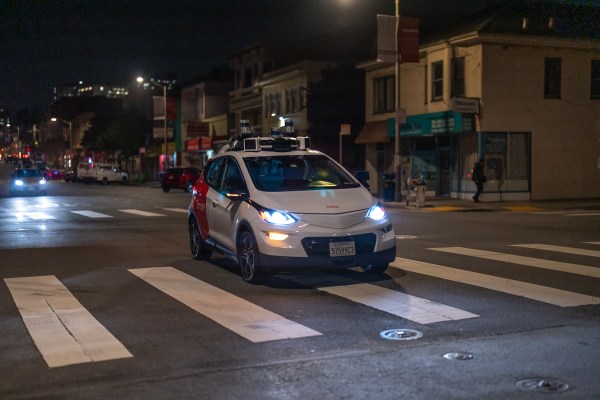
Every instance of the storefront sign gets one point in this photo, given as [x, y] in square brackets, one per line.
[433, 123]
[465, 105]
[197, 128]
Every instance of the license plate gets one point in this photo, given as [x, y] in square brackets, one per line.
[341, 249]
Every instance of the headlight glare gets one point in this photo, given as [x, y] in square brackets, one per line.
[277, 217]
[376, 212]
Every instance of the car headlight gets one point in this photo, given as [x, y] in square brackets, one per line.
[42, 181]
[276, 217]
[19, 182]
[376, 212]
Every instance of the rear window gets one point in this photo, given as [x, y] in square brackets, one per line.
[297, 172]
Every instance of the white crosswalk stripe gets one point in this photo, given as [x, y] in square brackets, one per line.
[64, 332]
[240, 316]
[33, 215]
[528, 261]
[91, 214]
[561, 249]
[177, 210]
[410, 307]
[544, 294]
[142, 213]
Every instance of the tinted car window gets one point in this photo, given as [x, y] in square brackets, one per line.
[212, 173]
[303, 172]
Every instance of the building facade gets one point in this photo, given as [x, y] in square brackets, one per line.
[519, 88]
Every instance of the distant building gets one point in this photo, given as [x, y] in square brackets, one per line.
[81, 89]
[517, 85]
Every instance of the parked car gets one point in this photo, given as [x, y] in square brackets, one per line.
[180, 178]
[275, 205]
[28, 181]
[53, 174]
[71, 176]
[101, 173]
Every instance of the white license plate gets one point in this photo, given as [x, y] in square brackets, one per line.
[341, 249]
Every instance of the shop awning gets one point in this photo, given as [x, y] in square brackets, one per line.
[373, 132]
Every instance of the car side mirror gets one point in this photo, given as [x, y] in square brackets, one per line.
[238, 195]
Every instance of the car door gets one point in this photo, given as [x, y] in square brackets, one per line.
[222, 211]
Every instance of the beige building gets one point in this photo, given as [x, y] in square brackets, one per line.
[518, 88]
[204, 120]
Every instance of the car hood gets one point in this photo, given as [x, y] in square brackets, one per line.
[324, 201]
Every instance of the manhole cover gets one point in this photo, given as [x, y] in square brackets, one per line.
[542, 385]
[401, 334]
[458, 355]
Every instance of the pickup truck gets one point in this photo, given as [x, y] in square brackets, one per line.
[102, 173]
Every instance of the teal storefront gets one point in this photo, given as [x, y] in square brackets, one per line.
[442, 148]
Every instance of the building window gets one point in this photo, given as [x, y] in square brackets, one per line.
[273, 105]
[437, 81]
[426, 78]
[552, 78]
[595, 84]
[248, 77]
[384, 94]
[458, 77]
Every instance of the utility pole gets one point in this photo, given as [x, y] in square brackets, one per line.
[398, 192]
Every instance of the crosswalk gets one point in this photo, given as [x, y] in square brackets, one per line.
[65, 333]
[62, 214]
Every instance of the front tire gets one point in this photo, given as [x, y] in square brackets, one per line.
[166, 189]
[199, 250]
[248, 257]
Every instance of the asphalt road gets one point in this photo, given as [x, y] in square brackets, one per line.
[100, 299]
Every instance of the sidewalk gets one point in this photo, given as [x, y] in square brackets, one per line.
[447, 204]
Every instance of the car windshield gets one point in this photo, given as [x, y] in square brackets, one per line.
[297, 172]
[28, 173]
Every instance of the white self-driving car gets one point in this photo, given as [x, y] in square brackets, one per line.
[274, 205]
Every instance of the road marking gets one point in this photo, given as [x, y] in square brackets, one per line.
[179, 210]
[583, 214]
[446, 208]
[91, 214]
[410, 307]
[522, 208]
[64, 332]
[544, 294]
[528, 261]
[561, 249]
[34, 215]
[592, 242]
[242, 317]
[142, 213]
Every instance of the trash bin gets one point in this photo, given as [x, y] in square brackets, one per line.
[421, 189]
[389, 187]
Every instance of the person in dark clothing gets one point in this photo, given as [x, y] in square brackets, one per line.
[479, 179]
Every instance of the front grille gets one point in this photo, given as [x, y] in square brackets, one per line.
[335, 221]
[319, 246]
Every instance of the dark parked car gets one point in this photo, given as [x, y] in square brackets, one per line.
[180, 178]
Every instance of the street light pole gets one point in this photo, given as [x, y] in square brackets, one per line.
[164, 88]
[397, 159]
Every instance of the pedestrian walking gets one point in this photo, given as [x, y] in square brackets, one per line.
[479, 178]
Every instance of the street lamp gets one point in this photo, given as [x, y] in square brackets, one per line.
[140, 80]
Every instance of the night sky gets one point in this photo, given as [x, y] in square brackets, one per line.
[45, 43]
